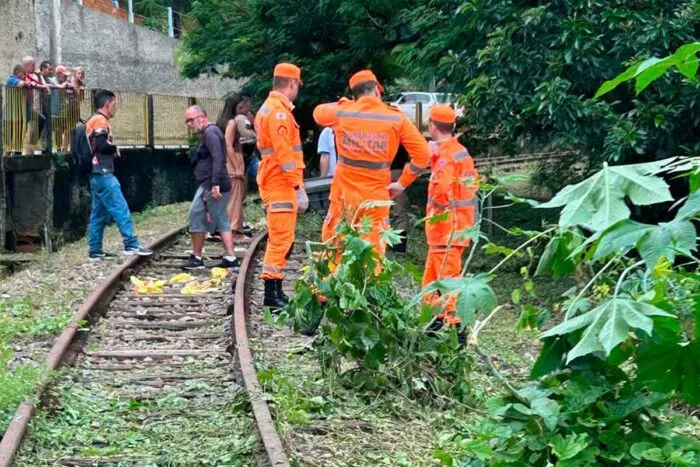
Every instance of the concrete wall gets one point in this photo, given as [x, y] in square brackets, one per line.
[17, 38]
[114, 53]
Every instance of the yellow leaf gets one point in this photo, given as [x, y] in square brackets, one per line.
[196, 288]
[183, 277]
[219, 273]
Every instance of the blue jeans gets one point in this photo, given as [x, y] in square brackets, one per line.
[108, 203]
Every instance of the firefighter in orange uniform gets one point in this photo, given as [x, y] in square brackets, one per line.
[451, 192]
[367, 134]
[280, 177]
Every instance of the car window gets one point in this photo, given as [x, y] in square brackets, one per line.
[409, 99]
[424, 98]
[443, 98]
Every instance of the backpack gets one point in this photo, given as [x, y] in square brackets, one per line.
[81, 150]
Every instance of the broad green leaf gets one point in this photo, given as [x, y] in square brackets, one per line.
[621, 238]
[607, 325]
[548, 409]
[599, 201]
[647, 451]
[551, 356]
[669, 366]
[651, 74]
[557, 257]
[475, 294]
[690, 208]
[568, 447]
[666, 240]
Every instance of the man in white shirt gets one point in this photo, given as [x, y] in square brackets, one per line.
[326, 152]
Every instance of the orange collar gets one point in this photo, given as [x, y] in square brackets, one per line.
[283, 99]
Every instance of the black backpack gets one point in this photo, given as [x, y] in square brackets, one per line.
[81, 150]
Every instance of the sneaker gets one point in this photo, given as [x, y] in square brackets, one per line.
[100, 255]
[138, 250]
[193, 264]
[226, 264]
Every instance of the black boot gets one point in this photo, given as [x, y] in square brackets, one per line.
[279, 293]
[400, 248]
[271, 299]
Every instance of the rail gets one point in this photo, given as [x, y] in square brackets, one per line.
[35, 121]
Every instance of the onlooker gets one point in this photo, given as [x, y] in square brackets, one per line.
[249, 139]
[328, 157]
[208, 210]
[63, 119]
[16, 79]
[14, 110]
[234, 127]
[77, 84]
[35, 118]
[78, 80]
[107, 198]
[46, 74]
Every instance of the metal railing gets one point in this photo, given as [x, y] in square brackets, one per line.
[156, 17]
[35, 121]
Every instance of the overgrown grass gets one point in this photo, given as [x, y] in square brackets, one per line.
[170, 430]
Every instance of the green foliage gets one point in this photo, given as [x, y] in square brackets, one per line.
[16, 382]
[531, 70]
[369, 327]
[684, 60]
[328, 40]
[577, 419]
[599, 201]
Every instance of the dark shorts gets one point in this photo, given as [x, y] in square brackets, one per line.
[217, 212]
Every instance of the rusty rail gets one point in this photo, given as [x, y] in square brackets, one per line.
[98, 298]
[268, 433]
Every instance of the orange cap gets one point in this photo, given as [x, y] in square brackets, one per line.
[63, 70]
[362, 76]
[442, 113]
[288, 70]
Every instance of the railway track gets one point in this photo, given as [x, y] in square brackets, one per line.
[143, 347]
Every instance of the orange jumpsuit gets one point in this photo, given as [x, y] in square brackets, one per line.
[368, 133]
[280, 173]
[452, 189]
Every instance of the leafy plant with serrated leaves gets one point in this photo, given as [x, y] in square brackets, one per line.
[369, 334]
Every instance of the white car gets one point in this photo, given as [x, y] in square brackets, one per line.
[408, 100]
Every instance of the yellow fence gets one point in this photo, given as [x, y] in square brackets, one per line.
[34, 120]
[23, 120]
[130, 124]
[169, 127]
[212, 107]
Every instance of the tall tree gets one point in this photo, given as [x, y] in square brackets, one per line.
[530, 68]
[328, 39]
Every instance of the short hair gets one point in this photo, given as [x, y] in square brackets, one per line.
[444, 127]
[28, 59]
[44, 64]
[102, 97]
[17, 69]
[279, 82]
[199, 109]
[364, 88]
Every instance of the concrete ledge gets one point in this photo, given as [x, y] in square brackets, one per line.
[27, 163]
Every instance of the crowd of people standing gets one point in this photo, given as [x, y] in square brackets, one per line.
[27, 107]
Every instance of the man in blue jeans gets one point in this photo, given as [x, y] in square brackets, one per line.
[107, 199]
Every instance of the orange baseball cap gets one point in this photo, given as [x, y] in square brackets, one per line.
[288, 70]
[362, 76]
[63, 70]
[442, 113]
